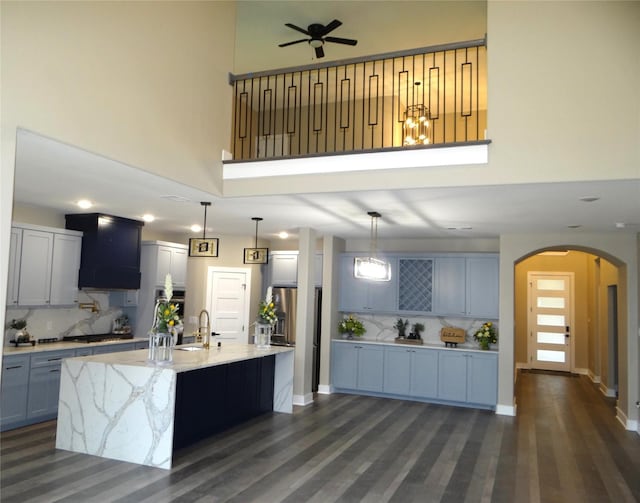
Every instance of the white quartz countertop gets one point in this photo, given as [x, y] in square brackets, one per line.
[428, 345]
[58, 346]
[185, 360]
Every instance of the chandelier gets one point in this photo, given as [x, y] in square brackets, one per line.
[416, 122]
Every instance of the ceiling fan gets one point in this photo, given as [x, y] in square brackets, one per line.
[317, 34]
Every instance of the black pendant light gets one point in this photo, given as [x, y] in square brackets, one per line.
[203, 247]
[256, 255]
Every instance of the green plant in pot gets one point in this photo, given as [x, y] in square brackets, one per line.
[416, 329]
[351, 326]
[401, 326]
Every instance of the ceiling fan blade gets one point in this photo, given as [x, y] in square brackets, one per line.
[319, 52]
[297, 28]
[337, 40]
[331, 26]
[294, 42]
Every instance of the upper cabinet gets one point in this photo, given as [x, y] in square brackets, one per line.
[160, 258]
[464, 285]
[44, 265]
[282, 269]
[364, 296]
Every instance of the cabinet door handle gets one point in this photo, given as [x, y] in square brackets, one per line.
[14, 367]
[54, 370]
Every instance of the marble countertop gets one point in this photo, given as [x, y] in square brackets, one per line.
[58, 346]
[185, 360]
[428, 345]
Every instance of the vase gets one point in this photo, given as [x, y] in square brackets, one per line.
[347, 335]
[160, 348]
[484, 345]
[263, 335]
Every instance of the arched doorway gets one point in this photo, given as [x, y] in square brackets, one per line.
[587, 331]
[618, 250]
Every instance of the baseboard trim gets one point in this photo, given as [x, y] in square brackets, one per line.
[595, 379]
[581, 371]
[625, 421]
[303, 399]
[506, 410]
[608, 392]
[325, 389]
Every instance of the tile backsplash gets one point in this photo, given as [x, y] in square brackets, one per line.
[380, 328]
[58, 322]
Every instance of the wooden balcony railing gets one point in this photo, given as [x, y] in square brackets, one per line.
[361, 104]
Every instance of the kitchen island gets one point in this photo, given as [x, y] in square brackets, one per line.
[120, 406]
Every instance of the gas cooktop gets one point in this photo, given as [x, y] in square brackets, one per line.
[97, 338]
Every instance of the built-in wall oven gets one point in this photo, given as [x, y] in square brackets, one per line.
[178, 299]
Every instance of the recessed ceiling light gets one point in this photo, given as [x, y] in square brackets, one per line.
[147, 217]
[574, 226]
[196, 228]
[589, 199]
[620, 225]
[85, 204]
[283, 235]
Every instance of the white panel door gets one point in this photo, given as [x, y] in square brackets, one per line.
[228, 299]
[550, 321]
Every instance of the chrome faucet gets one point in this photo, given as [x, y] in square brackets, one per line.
[204, 330]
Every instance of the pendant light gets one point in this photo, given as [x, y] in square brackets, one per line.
[372, 267]
[256, 255]
[416, 121]
[203, 247]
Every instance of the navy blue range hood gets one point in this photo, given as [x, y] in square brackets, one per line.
[111, 246]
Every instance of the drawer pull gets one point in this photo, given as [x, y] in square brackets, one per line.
[54, 359]
[14, 367]
[54, 370]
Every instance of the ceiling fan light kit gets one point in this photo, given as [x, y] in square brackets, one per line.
[317, 34]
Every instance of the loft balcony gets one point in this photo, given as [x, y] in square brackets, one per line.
[420, 101]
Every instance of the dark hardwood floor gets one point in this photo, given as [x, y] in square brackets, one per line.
[565, 445]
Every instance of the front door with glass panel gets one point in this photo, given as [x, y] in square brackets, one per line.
[550, 321]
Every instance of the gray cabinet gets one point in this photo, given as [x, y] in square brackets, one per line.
[450, 286]
[283, 269]
[13, 393]
[411, 372]
[357, 366]
[482, 286]
[468, 377]
[44, 266]
[44, 384]
[364, 296]
[467, 286]
[159, 258]
[449, 376]
[113, 348]
[15, 246]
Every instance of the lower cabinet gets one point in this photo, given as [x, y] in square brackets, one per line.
[357, 366]
[411, 372]
[468, 377]
[13, 393]
[44, 384]
[213, 399]
[31, 383]
[452, 376]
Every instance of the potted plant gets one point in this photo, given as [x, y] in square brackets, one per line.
[486, 335]
[416, 329]
[351, 326]
[401, 327]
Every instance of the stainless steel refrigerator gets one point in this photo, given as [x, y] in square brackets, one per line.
[284, 333]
